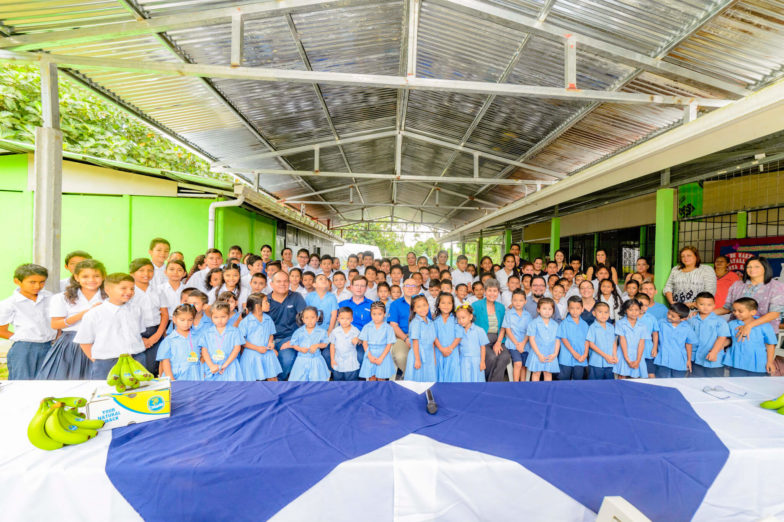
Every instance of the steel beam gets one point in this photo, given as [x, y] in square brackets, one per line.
[368, 205]
[335, 189]
[266, 74]
[390, 177]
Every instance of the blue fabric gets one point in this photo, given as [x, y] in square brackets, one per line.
[750, 354]
[425, 333]
[448, 367]
[25, 358]
[470, 348]
[65, 361]
[220, 346]
[326, 305]
[361, 311]
[633, 335]
[284, 315]
[575, 333]
[697, 370]
[658, 310]
[545, 337]
[257, 366]
[707, 331]
[480, 314]
[518, 325]
[603, 337]
[309, 366]
[672, 345]
[178, 350]
[653, 326]
[377, 340]
[588, 439]
[399, 312]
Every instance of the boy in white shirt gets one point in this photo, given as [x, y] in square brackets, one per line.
[27, 311]
[339, 287]
[159, 254]
[112, 329]
[213, 259]
[71, 260]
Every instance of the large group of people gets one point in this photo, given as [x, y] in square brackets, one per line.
[316, 317]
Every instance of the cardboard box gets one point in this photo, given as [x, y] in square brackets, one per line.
[150, 401]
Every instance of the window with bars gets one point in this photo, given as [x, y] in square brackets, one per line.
[703, 232]
[766, 223]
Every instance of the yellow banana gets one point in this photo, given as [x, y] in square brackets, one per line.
[81, 422]
[73, 402]
[57, 428]
[139, 371]
[36, 432]
[114, 374]
[126, 374]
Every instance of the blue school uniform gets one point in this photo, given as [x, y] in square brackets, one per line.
[658, 311]
[377, 338]
[750, 355]
[424, 332]
[309, 366]
[707, 331]
[653, 326]
[345, 365]
[633, 335]
[518, 324]
[603, 337]
[220, 346]
[258, 366]
[236, 316]
[202, 327]
[545, 336]
[326, 305]
[447, 331]
[575, 333]
[672, 345]
[471, 353]
[184, 354]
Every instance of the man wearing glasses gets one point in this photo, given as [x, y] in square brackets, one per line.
[399, 312]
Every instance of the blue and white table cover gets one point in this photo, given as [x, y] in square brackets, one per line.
[403, 464]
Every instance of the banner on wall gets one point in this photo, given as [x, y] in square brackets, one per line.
[738, 251]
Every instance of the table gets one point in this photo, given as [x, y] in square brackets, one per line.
[396, 462]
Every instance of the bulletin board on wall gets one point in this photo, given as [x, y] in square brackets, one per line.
[738, 251]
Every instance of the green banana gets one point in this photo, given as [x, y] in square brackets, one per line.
[75, 412]
[138, 369]
[81, 422]
[120, 387]
[61, 431]
[126, 374]
[73, 402]
[114, 374]
[36, 431]
[773, 404]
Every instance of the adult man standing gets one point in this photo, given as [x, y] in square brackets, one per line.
[515, 251]
[360, 307]
[399, 312]
[284, 307]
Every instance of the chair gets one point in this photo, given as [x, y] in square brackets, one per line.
[780, 345]
[618, 509]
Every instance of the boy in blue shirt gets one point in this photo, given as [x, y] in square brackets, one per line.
[573, 332]
[602, 343]
[713, 335]
[750, 356]
[672, 358]
[653, 327]
[657, 310]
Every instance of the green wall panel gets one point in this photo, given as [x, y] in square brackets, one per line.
[236, 226]
[16, 209]
[264, 232]
[99, 225]
[181, 221]
[13, 172]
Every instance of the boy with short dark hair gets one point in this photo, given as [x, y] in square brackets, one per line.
[750, 355]
[713, 335]
[159, 254]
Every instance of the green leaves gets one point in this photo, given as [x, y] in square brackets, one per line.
[90, 125]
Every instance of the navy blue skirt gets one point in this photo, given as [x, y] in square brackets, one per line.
[25, 359]
[65, 361]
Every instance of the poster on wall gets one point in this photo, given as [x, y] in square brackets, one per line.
[738, 251]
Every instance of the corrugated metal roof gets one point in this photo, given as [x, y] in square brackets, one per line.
[738, 42]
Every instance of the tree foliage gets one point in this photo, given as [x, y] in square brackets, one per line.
[90, 125]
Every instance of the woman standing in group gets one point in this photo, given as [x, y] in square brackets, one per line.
[689, 278]
[560, 261]
[601, 259]
[489, 316]
[643, 268]
[725, 278]
[757, 283]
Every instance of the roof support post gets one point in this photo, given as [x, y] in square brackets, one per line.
[570, 62]
[48, 168]
[237, 39]
[690, 113]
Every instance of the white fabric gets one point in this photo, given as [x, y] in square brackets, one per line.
[197, 280]
[159, 275]
[343, 295]
[503, 278]
[59, 307]
[64, 283]
[29, 319]
[168, 297]
[149, 302]
[112, 330]
[460, 277]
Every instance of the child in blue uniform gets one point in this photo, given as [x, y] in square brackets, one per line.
[448, 337]
[750, 356]
[473, 344]
[308, 340]
[544, 341]
[676, 338]
[377, 338]
[602, 343]
[421, 360]
[343, 341]
[259, 359]
[178, 353]
[653, 327]
[235, 315]
[657, 310]
[27, 310]
[220, 347]
[712, 332]
[573, 330]
[632, 334]
[515, 325]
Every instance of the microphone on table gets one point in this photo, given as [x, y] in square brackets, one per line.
[432, 407]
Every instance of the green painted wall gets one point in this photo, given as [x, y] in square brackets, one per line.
[16, 210]
[237, 226]
[13, 172]
[99, 225]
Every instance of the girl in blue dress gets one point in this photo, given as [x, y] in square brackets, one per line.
[259, 359]
[421, 361]
[473, 344]
[377, 338]
[308, 340]
[448, 337]
[632, 334]
[235, 315]
[220, 346]
[179, 353]
[544, 342]
[516, 321]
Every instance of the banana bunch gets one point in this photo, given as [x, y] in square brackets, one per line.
[127, 374]
[58, 422]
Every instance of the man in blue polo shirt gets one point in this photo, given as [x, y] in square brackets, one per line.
[399, 312]
[284, 307]
[360, 306]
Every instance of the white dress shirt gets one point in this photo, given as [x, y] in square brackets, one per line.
[59, 307]
[112, 330]
[30, 319]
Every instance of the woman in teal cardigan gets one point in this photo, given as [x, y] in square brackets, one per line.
[497, 357]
